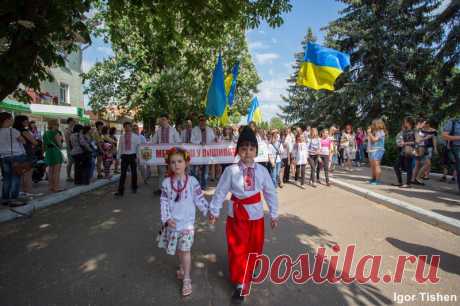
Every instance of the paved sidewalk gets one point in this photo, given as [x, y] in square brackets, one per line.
[48, 198]
[435, 196]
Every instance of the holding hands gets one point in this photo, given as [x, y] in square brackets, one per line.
[171, 223]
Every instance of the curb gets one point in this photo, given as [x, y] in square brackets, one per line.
[449, 224]
[8, 214]
[434, 174]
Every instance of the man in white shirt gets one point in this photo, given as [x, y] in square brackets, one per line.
[144, 169]
[186, 134]
[165, 134]
[127, 151]
[202, 135]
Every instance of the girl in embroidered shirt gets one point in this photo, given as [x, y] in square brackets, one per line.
[180, 193]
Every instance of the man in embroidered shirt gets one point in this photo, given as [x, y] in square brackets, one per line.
[186, 133]
[165, 134]
[245, 222]
[202, 135]
[127, 151]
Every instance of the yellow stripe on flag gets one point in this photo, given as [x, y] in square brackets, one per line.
[317, 77]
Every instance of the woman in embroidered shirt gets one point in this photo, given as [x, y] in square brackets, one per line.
[180, 193]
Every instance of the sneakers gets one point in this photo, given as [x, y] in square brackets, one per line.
[376, 182]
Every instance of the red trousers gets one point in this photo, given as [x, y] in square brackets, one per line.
[243, 237]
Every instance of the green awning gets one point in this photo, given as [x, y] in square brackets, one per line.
[85, 119]
[14, 106]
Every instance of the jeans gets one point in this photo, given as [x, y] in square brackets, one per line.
[300, 171]
[456, 153]
[275, 173]
[325, 165]
[203, 177]
[407, 163]
[313, 161]
[128, 160]
[287, 169]
[11, 182]
[360, 153]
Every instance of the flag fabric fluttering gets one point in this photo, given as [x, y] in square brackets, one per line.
[230, 88]
[254, 112]
[217, 98]
[321, 67]
[230, 83]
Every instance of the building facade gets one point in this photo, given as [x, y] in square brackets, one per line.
[67, 87]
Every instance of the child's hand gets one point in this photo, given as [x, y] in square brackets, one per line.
[171, 223]
[211, 219]
[274, 223]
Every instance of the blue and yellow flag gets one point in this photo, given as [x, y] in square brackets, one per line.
[254, 112]
[230, 83]
[230, 88]
[216, 98]
[322, 66]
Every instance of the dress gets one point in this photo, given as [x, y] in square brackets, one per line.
[182, 211]
[53, 155]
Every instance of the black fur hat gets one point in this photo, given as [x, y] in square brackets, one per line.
[247, 135]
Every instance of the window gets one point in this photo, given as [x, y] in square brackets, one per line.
[64, 97]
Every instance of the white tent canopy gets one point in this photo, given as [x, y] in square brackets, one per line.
[54, 111]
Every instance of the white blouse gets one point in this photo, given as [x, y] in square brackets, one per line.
[300, 153]
[232, 180]
[182, 211]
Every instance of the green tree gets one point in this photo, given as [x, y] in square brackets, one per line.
[276, 123]
[168, 55]
[394, 71]
[36, 35]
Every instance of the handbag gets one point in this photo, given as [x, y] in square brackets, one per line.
[408, 151]
[19, 167]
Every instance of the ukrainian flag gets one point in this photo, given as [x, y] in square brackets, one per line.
[322, 66]
[230, 88]
[217, 97]
[254, 112]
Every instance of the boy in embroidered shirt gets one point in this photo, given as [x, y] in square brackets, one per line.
[245, 222]
[180, 193]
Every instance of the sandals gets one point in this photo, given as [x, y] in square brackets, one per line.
[180, 274]
[186, 287]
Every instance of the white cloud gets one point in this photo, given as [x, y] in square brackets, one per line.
[254, 45]
[106, 50]
[274, 40]
[269, 95]
[86, 65]
[266, 58]
[271, 72]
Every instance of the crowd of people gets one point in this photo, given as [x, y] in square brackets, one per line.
[29, 155]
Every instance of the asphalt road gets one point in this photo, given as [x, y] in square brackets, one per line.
[98, 250]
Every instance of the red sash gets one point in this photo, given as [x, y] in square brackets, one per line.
[239, 212]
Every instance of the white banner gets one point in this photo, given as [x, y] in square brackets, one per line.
[223, 153]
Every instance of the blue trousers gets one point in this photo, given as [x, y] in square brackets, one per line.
[201, 176]
[11, 182]
[275, 173]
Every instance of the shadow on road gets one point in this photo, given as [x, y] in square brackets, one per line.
[101, 251]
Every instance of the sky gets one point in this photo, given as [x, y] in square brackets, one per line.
[272, 50]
